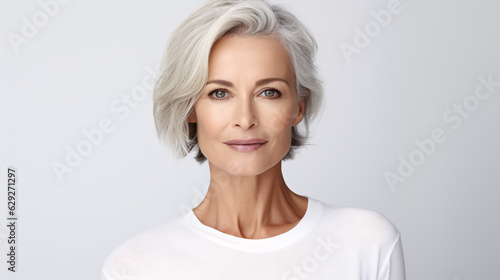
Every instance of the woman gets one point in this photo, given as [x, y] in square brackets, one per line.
[237, 78]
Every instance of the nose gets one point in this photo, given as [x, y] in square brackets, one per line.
[244, 113]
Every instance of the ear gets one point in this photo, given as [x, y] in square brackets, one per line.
[192, 116]
[300, 112]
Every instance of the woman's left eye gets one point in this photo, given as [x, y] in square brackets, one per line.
[271, 93]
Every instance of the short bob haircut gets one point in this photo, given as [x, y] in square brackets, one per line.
[183, 71]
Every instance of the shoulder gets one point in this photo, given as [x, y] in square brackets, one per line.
[142, 247]
[362, 224]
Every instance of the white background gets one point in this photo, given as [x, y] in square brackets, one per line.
[88, 55]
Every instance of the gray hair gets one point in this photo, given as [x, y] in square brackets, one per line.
[183, 69]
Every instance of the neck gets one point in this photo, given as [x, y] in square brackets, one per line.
[258, 206]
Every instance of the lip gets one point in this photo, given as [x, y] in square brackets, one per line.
[246, 145]
[245, 142]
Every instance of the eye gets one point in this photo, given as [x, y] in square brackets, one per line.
[219, 93]
[271, 93]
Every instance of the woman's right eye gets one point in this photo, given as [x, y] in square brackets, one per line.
[218, 94]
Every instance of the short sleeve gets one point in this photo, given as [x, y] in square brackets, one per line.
[394, 265]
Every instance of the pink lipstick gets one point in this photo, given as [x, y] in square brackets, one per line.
[246, 145]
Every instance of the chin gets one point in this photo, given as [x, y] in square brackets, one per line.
[245, 167]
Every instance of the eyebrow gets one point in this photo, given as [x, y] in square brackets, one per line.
[258, 83]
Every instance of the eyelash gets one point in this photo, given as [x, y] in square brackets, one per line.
[223, 89]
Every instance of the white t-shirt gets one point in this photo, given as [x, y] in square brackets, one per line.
[329, 242]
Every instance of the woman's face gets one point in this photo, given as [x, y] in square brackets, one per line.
[250, 94]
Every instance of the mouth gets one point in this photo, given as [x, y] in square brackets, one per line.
[246, 145]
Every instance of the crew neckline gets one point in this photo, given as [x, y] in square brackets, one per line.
[304, 226]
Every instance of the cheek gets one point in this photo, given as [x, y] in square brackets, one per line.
[281, 119]
[209, 122]
[207, 129]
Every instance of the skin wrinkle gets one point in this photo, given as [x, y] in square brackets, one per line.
[247, 195]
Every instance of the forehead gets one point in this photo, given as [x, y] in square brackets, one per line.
[251, 57]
